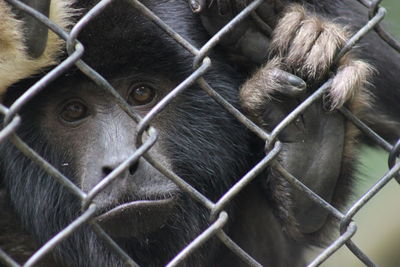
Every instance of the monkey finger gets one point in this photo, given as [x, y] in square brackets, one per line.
[286, 30]
[288, 84]
[300, 45]
[197, 6]
[270, 95]
[268, 82]
[321, 56]
[224, 6]
[349, 83]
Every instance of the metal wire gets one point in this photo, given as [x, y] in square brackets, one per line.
[201, 64]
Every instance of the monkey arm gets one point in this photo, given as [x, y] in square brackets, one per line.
[317, 145]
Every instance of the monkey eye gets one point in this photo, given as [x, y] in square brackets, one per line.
[141, 95]
[74, 111]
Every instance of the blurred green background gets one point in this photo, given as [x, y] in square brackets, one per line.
[378, 223]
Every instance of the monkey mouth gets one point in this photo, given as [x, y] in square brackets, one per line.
[137, 218]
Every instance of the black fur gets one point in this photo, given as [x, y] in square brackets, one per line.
[204, 144]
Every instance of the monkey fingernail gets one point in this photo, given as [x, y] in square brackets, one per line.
[296, 82]
[327, 103]
[291, 91]
[197, 6]
[290, 85]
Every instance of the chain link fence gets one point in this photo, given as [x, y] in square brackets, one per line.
[201, 62]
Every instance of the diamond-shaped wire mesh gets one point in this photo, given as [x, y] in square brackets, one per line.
[201, 65]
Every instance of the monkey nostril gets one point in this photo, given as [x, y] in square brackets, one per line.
[107, 171]
[133, 168]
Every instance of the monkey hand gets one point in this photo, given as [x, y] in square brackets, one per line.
[250, 38]
[269, 95]
[304, 43]
[307, 45]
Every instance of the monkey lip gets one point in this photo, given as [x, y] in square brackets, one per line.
[137, 218]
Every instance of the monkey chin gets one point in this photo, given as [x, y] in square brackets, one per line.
[137, 218]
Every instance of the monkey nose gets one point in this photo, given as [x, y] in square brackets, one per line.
[130, 171]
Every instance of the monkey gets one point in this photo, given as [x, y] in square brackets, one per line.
[196, 143]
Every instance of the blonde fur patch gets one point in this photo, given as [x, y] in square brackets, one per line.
[15, 63]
